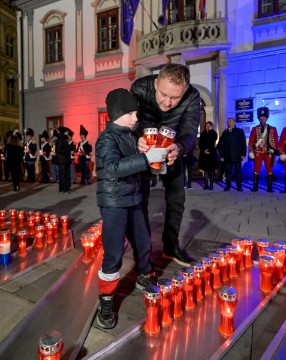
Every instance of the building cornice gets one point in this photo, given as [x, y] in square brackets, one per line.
[32, 4]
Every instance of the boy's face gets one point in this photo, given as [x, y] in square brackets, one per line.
[128, 120]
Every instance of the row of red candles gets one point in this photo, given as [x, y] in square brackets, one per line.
[91, 241]
[184, 290]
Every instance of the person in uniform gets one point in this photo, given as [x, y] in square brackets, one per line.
[30, 150]
[263, 145]
[72, 146]
[64, 160]
[232, 152]
[282, 147]
[55, 165]
[45, 150]
[84, 150]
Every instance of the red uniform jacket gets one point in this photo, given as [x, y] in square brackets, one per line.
[263, 142]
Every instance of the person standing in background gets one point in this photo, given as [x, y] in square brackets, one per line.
[208, 158]
[64, 160]
[55, 163]
[232, 152]
[30, 150]
[45, 150]
[72, 146]
[84, 150]
[14, 156]
[282, 147]
[188, 162]
[263, 144]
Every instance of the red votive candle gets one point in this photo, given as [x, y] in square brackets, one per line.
[21, 217]
[215, 270]
[178, 283]
[49, 232]
[22, 242]
[239, 243]
[198, 280]
[207, 288]
[39, 243]
[165, 286]
[223, 264]
[55, 222]
[227, 302]
[188, 301]
[38, 217]
[260, 245]
[151, 299]
[31, 225]
[46, 217]
[165, 138]
[279, 262]
[248, 247]
[266, 267]
[2, 218]
[85, 247]
[233, 254]
[150, 135]
[13, 213]
[64, 222]
[51, 346]
[5, 247]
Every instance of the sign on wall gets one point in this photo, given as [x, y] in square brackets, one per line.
[244, 117]
[244, 104]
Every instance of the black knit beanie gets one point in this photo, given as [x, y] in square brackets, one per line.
[120, 102]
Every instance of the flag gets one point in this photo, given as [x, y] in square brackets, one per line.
[128, 10]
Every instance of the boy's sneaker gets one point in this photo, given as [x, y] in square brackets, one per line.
[145, 280]
[105, 316]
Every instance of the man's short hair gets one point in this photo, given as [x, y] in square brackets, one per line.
[177, 73]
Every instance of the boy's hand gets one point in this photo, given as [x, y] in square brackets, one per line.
[156, 154]
[142, 145]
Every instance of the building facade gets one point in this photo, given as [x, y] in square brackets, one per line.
[76, 51]
[9, 75]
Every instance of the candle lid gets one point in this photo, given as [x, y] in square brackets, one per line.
[168, 132]
[22, 232]
[39, 227]
[197, 266]
[178, 280]
[4, 231]
[248, 241]
[151, 131]
[270, 249]
[227, 293]
[165, 284]
[267, 260]
[222, 251]
[280, 250]
[152, 292]
[262, 242]
[281, 244]
[187, 272]
[232, 249]
[51, 342]
[215, 257]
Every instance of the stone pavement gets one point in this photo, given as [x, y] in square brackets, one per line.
[210, 218]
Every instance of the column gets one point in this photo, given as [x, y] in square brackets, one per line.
[79, 40]
[221, 68]
[30, 20]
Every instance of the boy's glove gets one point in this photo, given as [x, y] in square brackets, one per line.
[161, 171]
[156, 154]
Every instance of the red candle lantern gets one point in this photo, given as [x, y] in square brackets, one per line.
[49, 232]
[51, 346]
[266, 267]
[178, 283]
[96, 230]
[207, 288]
[248, 243]
[13, 213]
[280, 244]
[279, 263]
[223, 264]
[46, 217]
[215, 270]
[188, 301]
[232, 259]
[239, 243]
[227, 302]
[38, 217]
[92, 243]
[85, 247]
[31, 225]
[5, 247]
[39, 230]
[64, 222]
[165, 286]
[198, 280]
[21, 217]
[150, 135]
[270, 251]
[260, 245]
[55, 222]
[22, 242]
[165, 138]
[2, 218]
[151, 299]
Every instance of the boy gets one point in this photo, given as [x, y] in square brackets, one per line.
[119, 198]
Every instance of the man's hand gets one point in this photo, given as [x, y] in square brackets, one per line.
[222, 159]
[173, 152]
[142, 144]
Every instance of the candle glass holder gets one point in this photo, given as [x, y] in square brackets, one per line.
[232, 259]
[165, 138]
[31, 225]
[55, 223]
[21, 217]
[39, 236]
[279, 263]
[51, 346]
[46, 217]
[207, 288]
[260, 245]
[266, 266]
[2, 218]
[38, 217]
[198, 280]
[22, 242]
[86, 257]
[151, 299]
[239, 243]
[178, 283]
[227, 301]
[165, 317]
[13, 214]
[188, 301]
[5, 247]
[248, 243]
[215, 270]
[49, 233]
[64, 222]
[223, 264]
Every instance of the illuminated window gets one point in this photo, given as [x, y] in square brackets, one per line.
[54, 52]
[53, 122]
[181, 10]
[107, 26]
[102, 119]
[271, 7]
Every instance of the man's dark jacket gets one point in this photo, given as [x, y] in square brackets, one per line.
[63, 150]
[232, 145]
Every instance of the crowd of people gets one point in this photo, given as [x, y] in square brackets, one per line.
[55, 156]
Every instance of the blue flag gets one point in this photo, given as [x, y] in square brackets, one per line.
[128, 10]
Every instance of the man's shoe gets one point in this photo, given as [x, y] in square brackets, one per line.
[105, 317]
[145, 280]
[179, 256]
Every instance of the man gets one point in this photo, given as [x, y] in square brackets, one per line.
[232, 152]
[72, 146]
[282, 146]
[169, 100]
[45, 157]
[263, 145]
[30, 156]
[64, 160]
[84, 150]
[55, 164]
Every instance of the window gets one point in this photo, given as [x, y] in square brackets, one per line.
[11, 94]
[54, 44]
[10, 46]
[102, 119]
[107, 26]
[271, 7]
[181, 10]
[54, 122]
